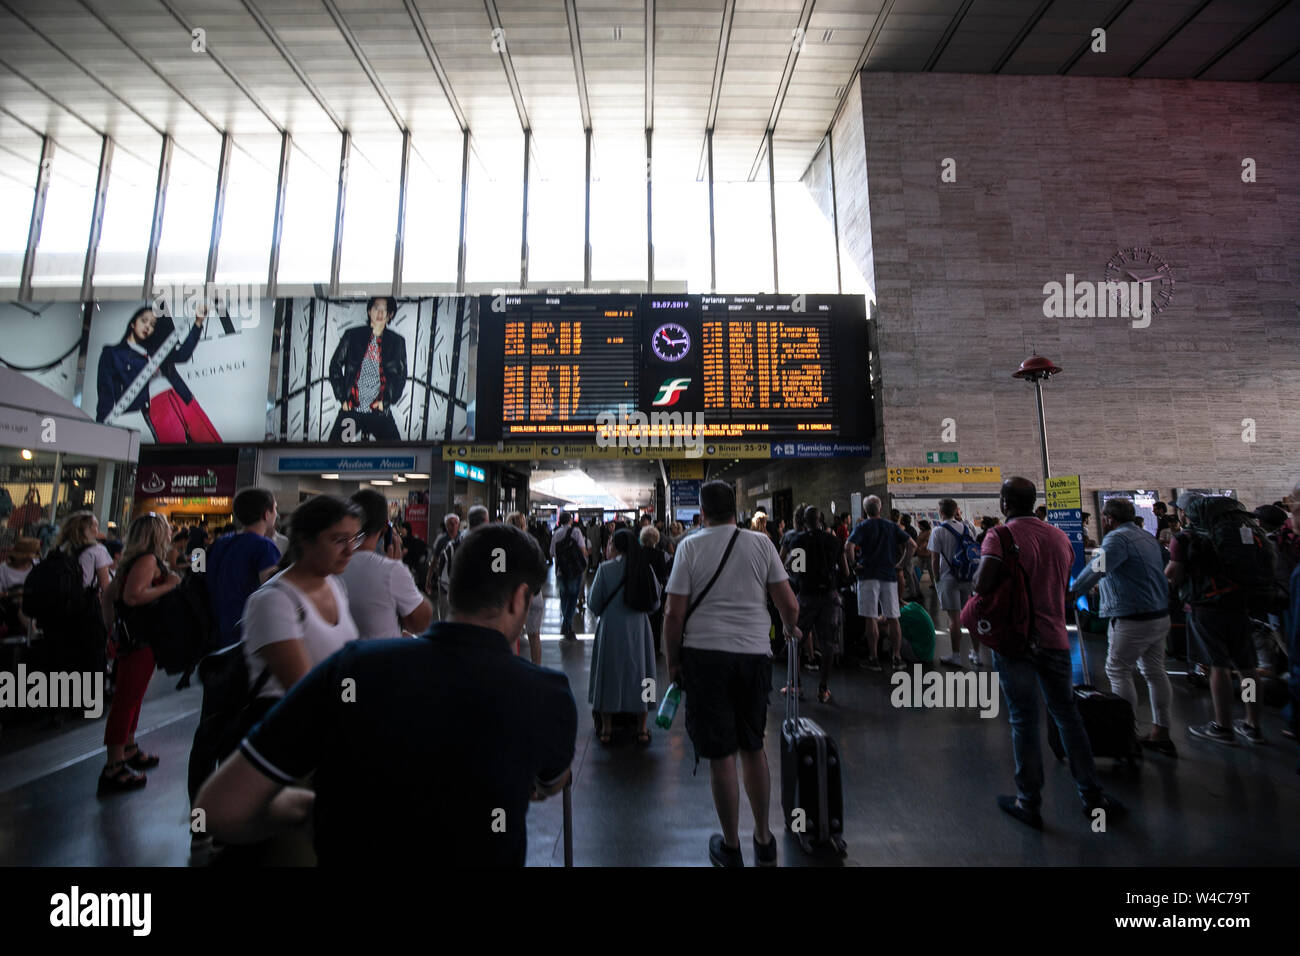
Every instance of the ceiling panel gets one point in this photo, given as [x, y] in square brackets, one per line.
[1207, 34]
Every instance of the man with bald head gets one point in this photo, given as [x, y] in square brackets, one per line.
[1046, 556]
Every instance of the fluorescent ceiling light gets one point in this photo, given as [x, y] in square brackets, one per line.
[380, 481]
[331, 477]
[415, 474]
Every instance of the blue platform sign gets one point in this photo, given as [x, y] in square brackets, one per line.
[466, 470]
[821, 449]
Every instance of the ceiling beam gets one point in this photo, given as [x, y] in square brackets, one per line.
[1240, 37]
[942, 45]
[1020, 37]
[348, 37]
[798, 35]
[579, 67]
[422, 32]
[719, 67]
[1281, 63]
[1086, 45]
[867, 49]
[260, 19]
[1160, 44]
[507, 64]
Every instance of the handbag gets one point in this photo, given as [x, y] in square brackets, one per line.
[1003, 619]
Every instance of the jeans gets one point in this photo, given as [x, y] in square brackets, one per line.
[570, 588]
[1021, 678]
[1140, 643]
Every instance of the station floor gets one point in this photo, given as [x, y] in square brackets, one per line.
[919, 789]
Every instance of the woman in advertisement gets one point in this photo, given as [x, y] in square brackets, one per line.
[139, 374]
[368, 374]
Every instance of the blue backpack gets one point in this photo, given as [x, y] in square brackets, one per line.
[967, 556]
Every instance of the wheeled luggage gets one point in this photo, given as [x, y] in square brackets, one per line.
[1108, 718]
[812, 797]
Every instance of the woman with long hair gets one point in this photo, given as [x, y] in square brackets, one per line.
[536, 609]
[76, 641]
[143, 579]
[623, 595]
[300, 617]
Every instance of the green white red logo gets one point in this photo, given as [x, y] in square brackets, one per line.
[670, 391]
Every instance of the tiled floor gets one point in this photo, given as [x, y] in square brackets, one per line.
[919, 788]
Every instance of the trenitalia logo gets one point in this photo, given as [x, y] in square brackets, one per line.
[670, 391]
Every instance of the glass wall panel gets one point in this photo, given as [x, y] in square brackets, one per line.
[187, 216]
[370, 213]
[20, 152]
[307, 243]
[618, 209]
[496, 194]
[433, 212]
[556, 201]
[805, 242]
[61, 254]
[250, 211]
[128, 218]
[743, 225]
[681, 223]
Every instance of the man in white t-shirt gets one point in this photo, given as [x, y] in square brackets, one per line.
[724, 662]
[382, 594]
[949, 538]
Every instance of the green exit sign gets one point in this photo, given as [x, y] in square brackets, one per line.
[941, 458]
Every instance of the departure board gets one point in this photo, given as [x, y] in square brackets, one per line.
[555, 363]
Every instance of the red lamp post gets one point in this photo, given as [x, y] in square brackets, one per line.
[1038, 370]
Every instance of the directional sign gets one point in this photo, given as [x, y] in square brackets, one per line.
[968, 474]
[941, 458]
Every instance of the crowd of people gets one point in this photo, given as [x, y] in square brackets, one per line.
[323, 617]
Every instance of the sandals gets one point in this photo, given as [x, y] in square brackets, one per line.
[118, 778]
[137, 759]
[643, 739]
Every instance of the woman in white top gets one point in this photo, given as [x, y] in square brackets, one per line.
[300, 617]
[536, 609]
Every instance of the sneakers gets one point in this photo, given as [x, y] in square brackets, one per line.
[765, 853]
[722, 855]
[899, 664]
[975, 662]
[1165, 747]
[1025, 815]
[1248, 733]
[1213, 731]
[872, 664]
[952, 660]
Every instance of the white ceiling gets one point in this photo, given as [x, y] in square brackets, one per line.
[77, 69]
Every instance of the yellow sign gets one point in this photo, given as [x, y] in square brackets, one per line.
[468, 452]
[951, 474]
[686, 469]
[1063, 493]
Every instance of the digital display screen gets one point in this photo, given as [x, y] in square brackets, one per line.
[553, 364]
[745, 367]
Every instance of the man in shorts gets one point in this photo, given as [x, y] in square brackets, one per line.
[877, 549]
[1218, 627]
[717, 596]
[954, 592]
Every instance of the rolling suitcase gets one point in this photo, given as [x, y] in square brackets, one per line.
[1108, 718]
[810, 773]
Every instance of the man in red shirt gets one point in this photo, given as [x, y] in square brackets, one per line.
[1046, 556]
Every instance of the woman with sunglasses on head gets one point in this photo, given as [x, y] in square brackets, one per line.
[300, 617]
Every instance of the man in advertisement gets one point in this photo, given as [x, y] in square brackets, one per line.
[368, 374]
[139, 374]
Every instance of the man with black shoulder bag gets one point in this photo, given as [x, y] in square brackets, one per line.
[720, 581]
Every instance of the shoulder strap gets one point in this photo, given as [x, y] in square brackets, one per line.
[708, 587]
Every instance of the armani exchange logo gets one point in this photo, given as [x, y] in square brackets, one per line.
[76, 909]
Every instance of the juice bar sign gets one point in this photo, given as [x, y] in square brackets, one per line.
[200, 481]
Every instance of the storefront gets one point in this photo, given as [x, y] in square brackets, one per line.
[54, 460]
[188, 485]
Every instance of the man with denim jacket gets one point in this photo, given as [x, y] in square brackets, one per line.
[1135, 599]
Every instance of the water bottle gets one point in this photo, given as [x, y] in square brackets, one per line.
[668, 706]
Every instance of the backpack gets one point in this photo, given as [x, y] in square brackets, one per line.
[817, 577]
[569, 562]
[966, 558]
[1229, 554]
[53, 593]
[177, 627]
[1004, 619]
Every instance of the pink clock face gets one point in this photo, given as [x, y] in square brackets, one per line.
[1140, 264]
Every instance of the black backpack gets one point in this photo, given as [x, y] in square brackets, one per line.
[569, 562]
[53, 592]
[817, 577]
[1229, 556]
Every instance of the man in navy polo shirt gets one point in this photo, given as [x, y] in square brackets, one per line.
[453, 727]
